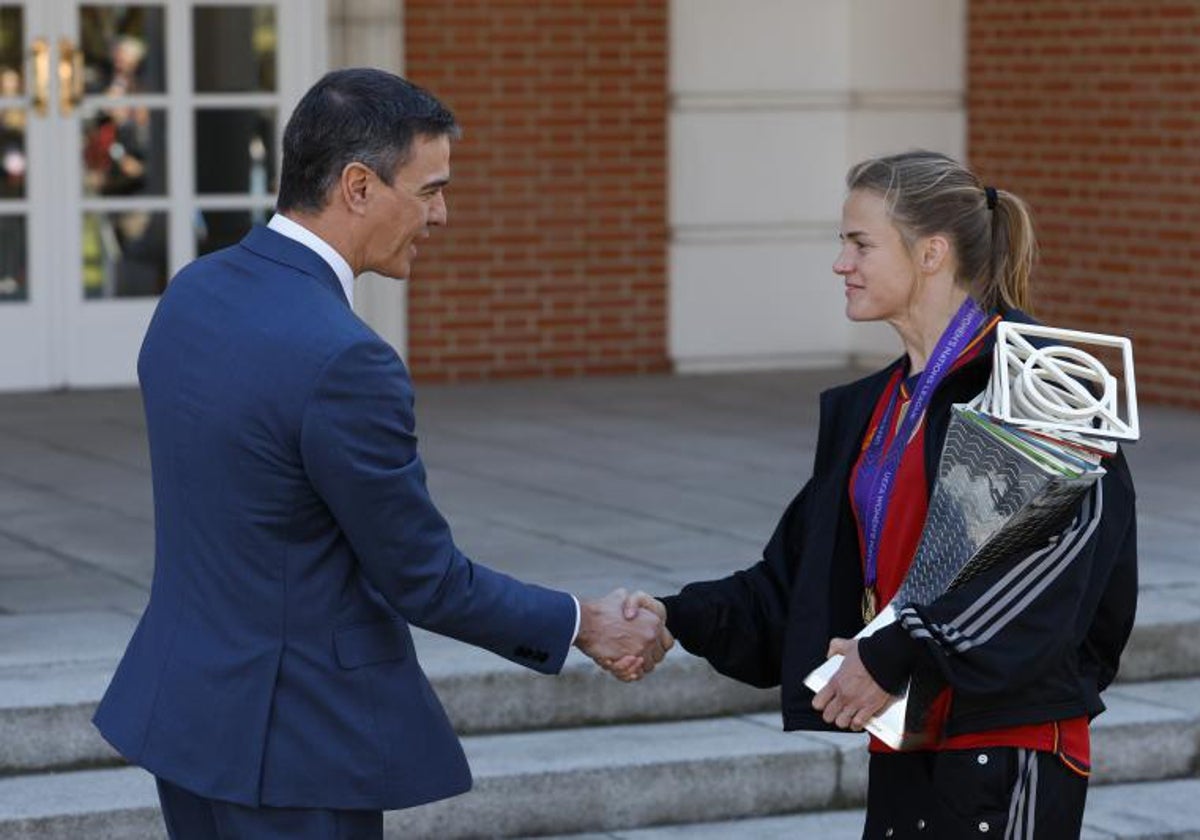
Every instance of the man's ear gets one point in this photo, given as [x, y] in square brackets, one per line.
[355, 186]
[932, 252]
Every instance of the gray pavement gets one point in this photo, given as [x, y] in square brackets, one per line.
[585, 485]
[582, 484]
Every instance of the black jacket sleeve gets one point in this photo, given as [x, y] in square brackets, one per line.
[737, 623]
[1008, 626]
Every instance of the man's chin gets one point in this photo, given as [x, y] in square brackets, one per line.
[401, 270]
[398, 272]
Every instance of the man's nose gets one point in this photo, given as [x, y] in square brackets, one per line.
[438, 212]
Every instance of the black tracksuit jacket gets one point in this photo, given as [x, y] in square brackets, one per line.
[1035, 638]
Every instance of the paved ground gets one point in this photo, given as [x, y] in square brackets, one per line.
[647, 482]
[579, 484]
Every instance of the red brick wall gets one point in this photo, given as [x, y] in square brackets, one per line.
[1091, 111]
[554, 260]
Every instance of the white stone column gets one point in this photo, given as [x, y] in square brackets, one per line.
[772, 100]
[370, 33]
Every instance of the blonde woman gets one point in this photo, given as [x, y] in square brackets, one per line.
[1026, 648]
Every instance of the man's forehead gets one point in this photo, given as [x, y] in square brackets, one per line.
[436, 145]
[428, 158]
[423, 168]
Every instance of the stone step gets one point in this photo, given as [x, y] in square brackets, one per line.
[110, 804]
[1147, 811]
[620, 777]
[46, 711]
[53, 669]
[1165, 642]
[123, 808]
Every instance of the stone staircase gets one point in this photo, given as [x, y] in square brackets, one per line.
[684, 753]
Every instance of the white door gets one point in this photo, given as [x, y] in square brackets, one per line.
[151, 134]
[26, 176]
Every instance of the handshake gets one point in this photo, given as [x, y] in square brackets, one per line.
[625, 634]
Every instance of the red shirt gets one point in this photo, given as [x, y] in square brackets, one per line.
[898, 543]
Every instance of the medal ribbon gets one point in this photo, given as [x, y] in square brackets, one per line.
[877, 473]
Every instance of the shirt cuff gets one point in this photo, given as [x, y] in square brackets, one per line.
[578, 615]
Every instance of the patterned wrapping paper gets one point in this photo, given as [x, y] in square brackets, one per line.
[990, 502]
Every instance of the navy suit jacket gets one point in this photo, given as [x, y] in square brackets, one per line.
[295, 541]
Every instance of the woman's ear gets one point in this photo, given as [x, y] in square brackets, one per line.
[932, 253]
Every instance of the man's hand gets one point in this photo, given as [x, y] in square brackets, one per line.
[852, 697]
[627, 668]
[627, 643]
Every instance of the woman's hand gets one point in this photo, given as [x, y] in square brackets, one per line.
[851, 697]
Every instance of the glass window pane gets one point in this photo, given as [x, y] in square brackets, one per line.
[124, 254]
[124, 152]
[12, 50]
[122, 49]
[13, 266]
[217, 229]
[12, 153]
[235, 151]
[234, 48]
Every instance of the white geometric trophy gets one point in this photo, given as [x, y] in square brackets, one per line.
[1059, 388]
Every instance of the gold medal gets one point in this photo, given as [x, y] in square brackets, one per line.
[869, 607]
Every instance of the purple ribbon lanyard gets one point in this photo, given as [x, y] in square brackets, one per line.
[878, 471]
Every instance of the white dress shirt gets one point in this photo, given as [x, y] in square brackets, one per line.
[293, 230]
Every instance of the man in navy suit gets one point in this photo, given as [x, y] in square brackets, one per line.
[271, 686]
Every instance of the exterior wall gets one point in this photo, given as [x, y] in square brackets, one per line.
[1091, 112]
[371, 33]
[554, 260]
[771, 103]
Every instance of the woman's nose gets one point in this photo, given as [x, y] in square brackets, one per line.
[842, 265]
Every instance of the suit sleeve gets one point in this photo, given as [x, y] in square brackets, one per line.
[1008, 626]
[737, 623]
[359, 448]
